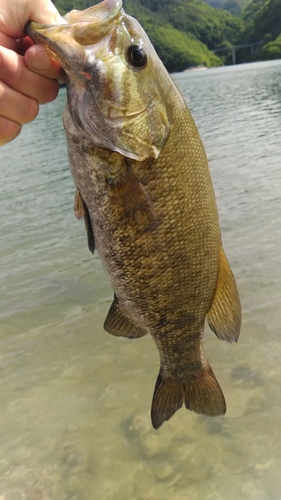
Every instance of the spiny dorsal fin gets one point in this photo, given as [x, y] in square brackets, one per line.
[224, 317]
[118, 323]
[200, 392]
[81, 212]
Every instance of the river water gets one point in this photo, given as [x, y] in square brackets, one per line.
[75, 401]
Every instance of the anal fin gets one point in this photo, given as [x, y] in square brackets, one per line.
[81, 212]
[118, 323]
[224, 317]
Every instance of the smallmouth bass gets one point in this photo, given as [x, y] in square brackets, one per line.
[145, 193]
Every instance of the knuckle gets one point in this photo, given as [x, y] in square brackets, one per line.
[51, 92]
[31, 110]
[2, 92]
[16, 106]
[12, 67]
[16, 75]
[9, 130]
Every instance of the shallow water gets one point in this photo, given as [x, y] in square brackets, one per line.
[75, 401]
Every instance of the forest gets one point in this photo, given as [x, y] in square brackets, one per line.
[185, 32]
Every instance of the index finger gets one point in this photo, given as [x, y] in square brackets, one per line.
[9, 43]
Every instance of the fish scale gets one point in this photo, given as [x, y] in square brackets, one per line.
[145, 192]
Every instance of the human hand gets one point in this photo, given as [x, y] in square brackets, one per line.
[28, 75]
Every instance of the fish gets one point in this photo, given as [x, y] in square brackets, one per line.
[144, 189]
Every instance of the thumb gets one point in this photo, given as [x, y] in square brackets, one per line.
[15, 15]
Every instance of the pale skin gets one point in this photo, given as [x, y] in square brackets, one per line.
[28, 76]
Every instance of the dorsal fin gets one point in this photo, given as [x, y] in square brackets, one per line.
[118, 323]
[81, 211]
[224, 317]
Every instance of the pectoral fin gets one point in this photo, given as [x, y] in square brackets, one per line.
[134, 201]
[81, 212]
[118, 323]
[224, 317]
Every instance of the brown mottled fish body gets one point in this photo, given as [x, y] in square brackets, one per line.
[146, 194]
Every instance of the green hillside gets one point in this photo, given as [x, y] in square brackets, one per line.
[214, 27]
[235, 7]
[252, 9]
[263, 22]
[263, 17]
[272, 50]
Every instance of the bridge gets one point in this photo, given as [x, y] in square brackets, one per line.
[253, 47]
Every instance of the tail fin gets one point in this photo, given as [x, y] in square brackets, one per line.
[200, 392]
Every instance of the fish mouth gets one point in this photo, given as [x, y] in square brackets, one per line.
[82, 28]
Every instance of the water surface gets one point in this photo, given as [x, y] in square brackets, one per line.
[75, 401]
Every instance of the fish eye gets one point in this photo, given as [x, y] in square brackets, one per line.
[137, 56]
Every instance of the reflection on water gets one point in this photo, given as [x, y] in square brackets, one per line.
[75, 401]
